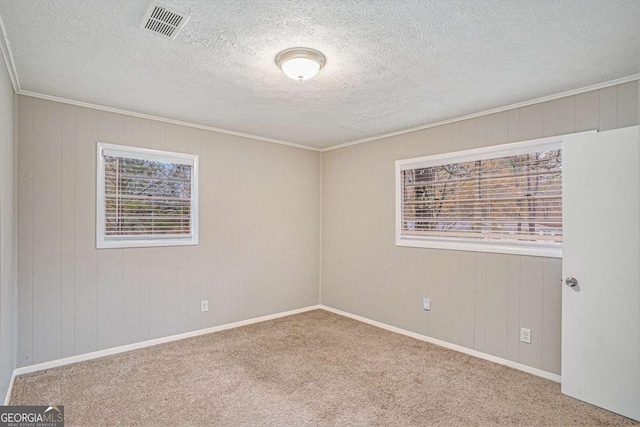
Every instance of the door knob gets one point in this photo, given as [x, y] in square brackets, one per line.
[571, 282]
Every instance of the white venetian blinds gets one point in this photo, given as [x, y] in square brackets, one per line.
[146, 196]
[506, 197]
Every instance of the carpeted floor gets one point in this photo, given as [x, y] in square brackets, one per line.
[313, 368]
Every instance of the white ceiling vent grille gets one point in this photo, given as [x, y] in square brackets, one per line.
[164, 21]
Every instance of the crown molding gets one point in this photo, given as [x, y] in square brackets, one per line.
[573, 92]
[162, 119]
[610, 83]
[8, 57]
[5, 47]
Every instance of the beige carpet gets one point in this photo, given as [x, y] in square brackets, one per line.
[312, 368]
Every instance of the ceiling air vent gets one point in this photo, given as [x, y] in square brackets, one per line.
[164, 21]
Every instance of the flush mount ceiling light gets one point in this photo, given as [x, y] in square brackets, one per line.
[300, 63]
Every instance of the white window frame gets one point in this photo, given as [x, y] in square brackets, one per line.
[144, 154]
[545, 249]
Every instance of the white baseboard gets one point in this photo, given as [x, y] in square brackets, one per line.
[129, 347]
[475, 353]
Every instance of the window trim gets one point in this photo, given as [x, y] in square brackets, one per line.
[544, 249]
[146, 154]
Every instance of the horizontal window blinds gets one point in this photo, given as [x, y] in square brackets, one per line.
[517, 197]
[146, 198]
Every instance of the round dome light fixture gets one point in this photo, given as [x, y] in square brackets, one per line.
[300, 63]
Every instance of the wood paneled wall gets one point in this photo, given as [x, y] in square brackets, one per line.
[259, 231]
[8, 263]
[259, 225]
[479, 300]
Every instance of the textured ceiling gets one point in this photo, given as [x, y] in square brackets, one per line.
[391, 65]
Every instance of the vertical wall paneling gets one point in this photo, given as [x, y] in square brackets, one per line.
[387, 301]
[47, 200]
[364, 295]
[394, 299]
[481, 131]
[85, 235]
[110, 262]
[130, 295]
[551, 315]
[467, 299]
[8, 231]
[265, 204]
[144, 254]
[427, 143]
[109, 305]
[531, 122]
[467, 135]
[456, 295]
[479, 300]
[497, 128]
[497, 304]
[442, 299]
[250, 174]
[332, 291]
[559, 116]
[171, 299]
[144, 278]
[424, 282]
[609, 108]
[243, 176]
[74, 299]
[156, 257]
[215, 285]
[514, 125]
[25, 231]
[454, 139]
[156, 292]
[587, 111]
[436, 138]
[628, 104]
[173, 142]
[179, 142]
[513, 309]
[183, 290]
[67, 231]
[451, 137]
[531, 308]
[194, 138]
[131, 256]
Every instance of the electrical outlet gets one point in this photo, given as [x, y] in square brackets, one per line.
[204, 305]
[426, 304]
[525, 335]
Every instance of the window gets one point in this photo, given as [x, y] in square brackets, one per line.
[505, 199]
[146, 197]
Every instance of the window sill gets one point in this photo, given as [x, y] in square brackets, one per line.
[492, 246]
[128, 243]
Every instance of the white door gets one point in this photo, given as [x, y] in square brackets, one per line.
[601, 250]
